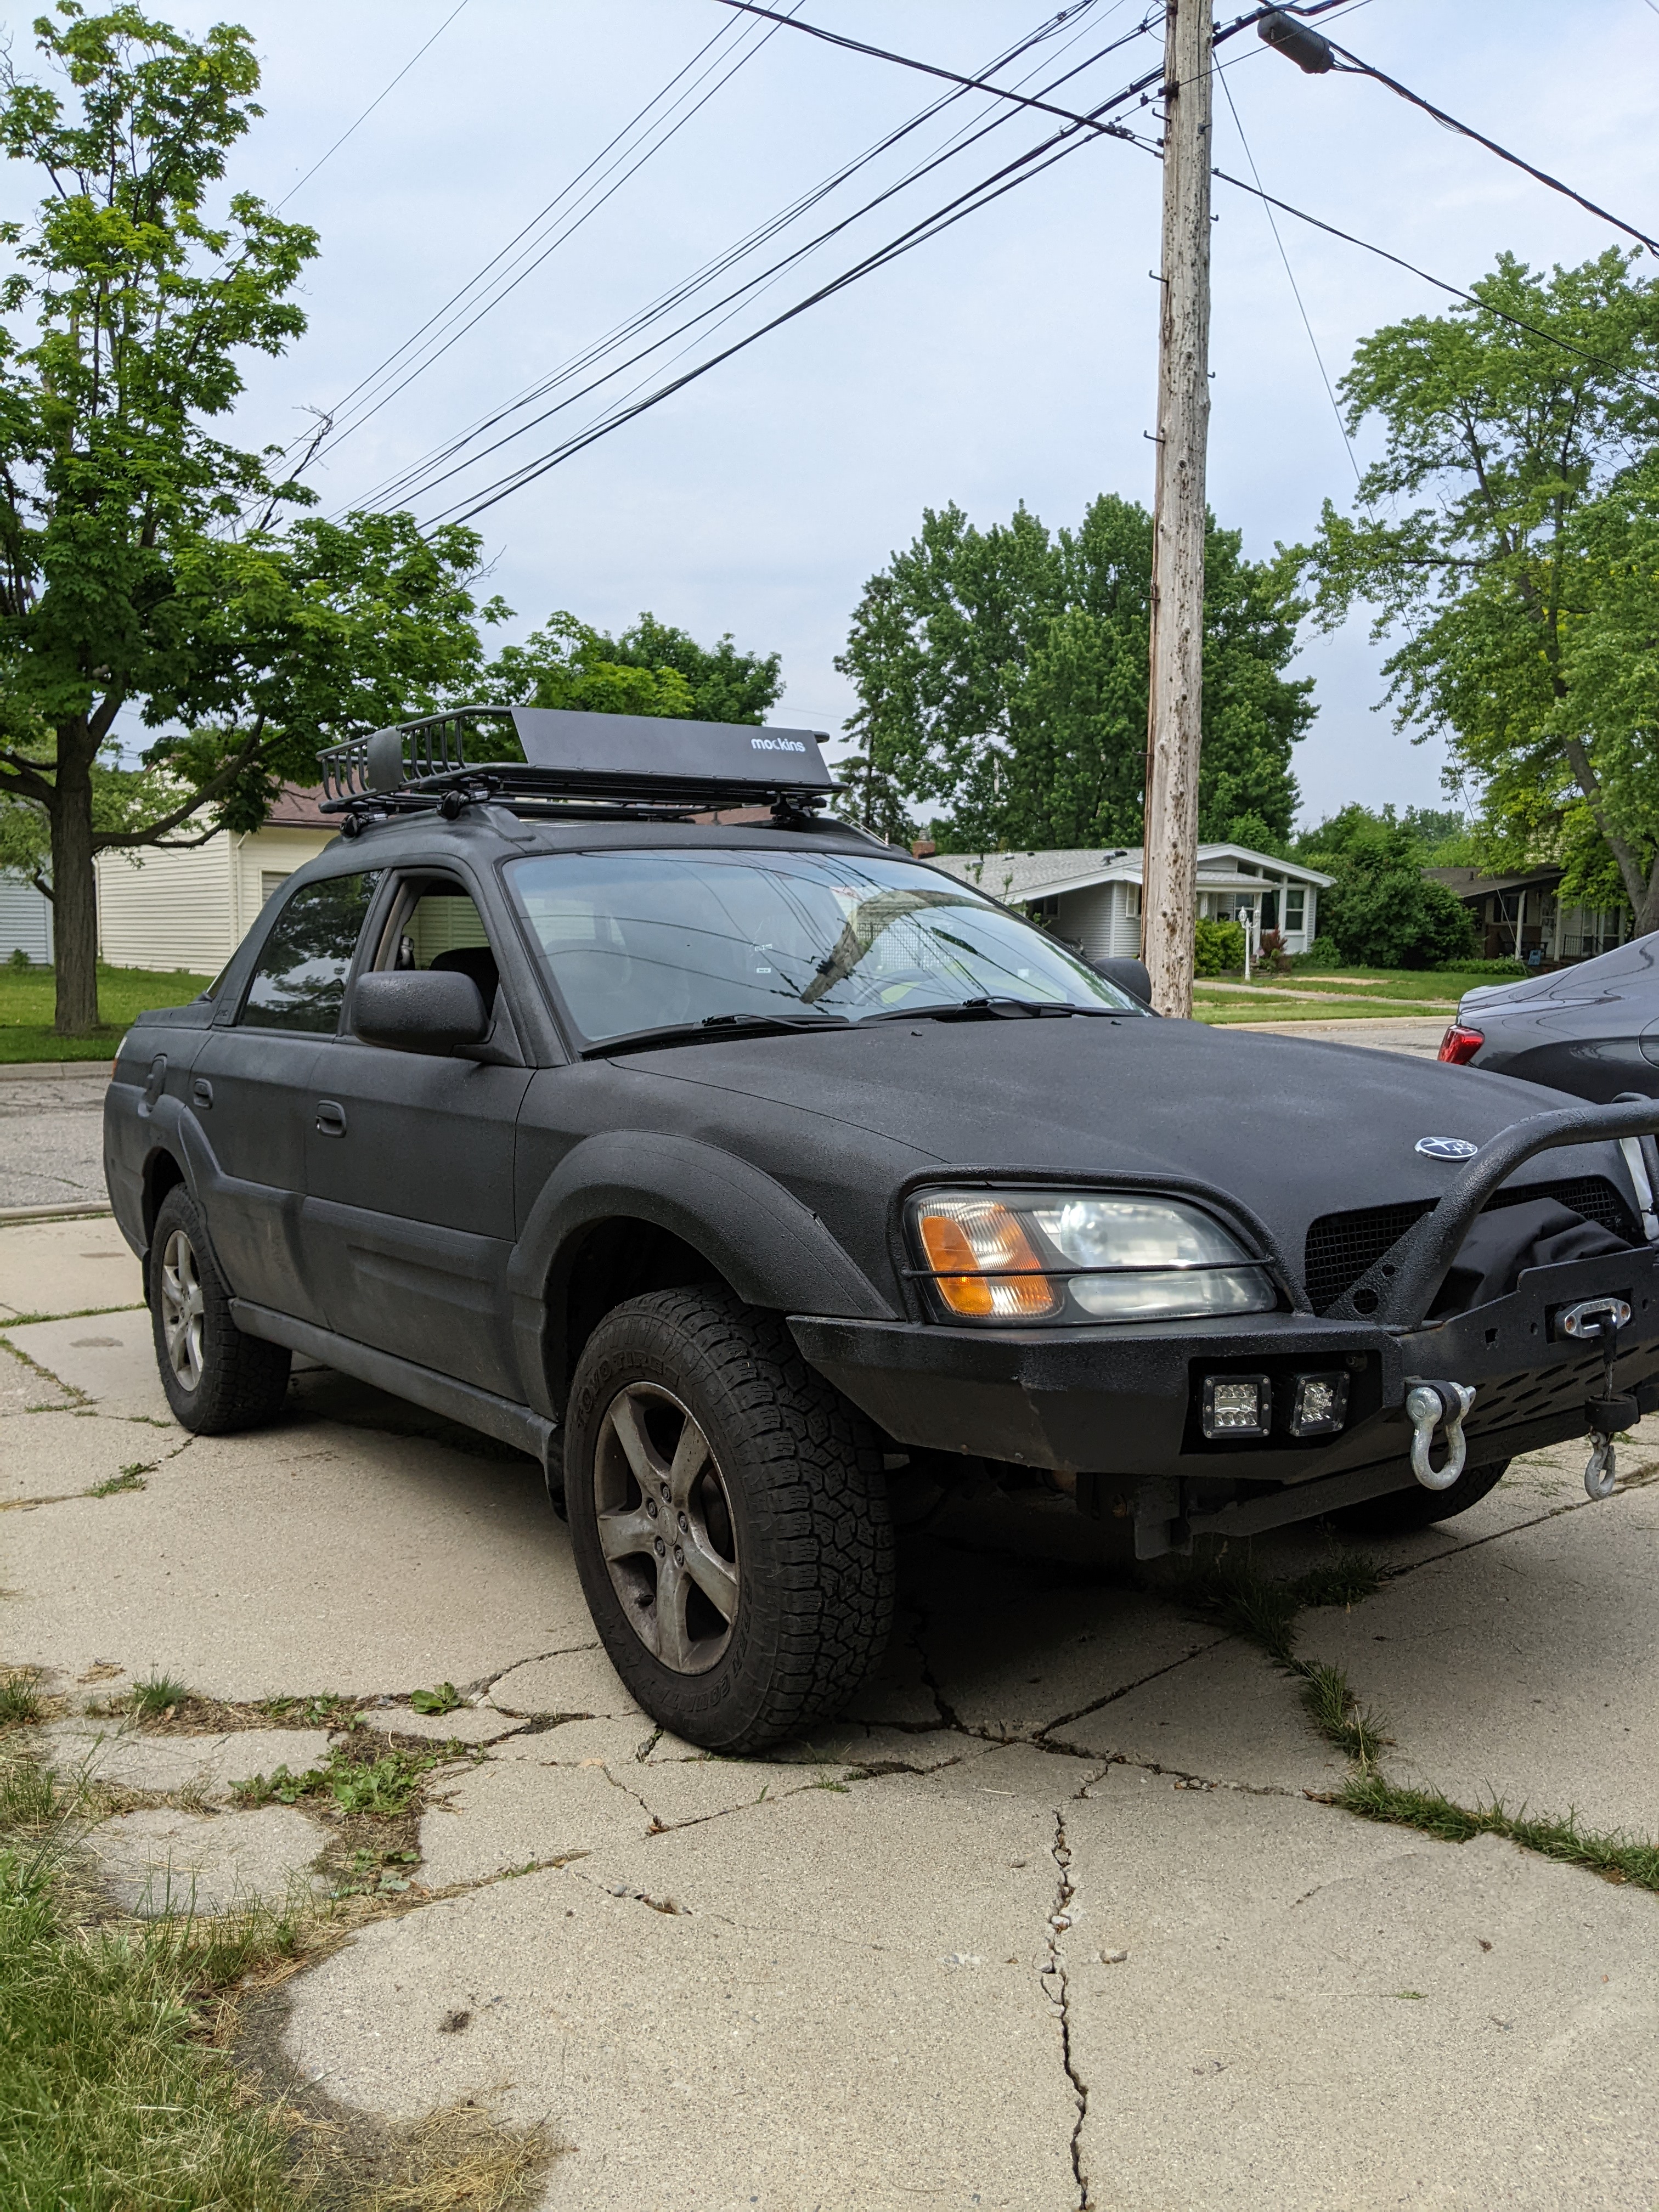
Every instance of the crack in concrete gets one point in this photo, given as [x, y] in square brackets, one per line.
[1057, 1989]
[1194, 1651]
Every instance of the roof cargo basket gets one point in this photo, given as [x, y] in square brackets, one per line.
[574, 763]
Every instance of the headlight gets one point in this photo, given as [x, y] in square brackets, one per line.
[1075, 1256]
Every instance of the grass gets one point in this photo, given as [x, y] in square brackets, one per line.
[327, 1709]
[20, 1698]
[157, 1696]
[26, 998]
[1267, 1612]
[1618, 1858]
[386, 1786]
[111, 2097]
[129, 1477]
[1346, 993]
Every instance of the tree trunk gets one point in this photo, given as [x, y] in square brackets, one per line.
[75, 888]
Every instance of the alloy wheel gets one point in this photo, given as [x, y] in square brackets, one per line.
[665, 1527]
[182, 1309]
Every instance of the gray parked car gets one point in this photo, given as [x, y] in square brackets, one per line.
[734, 1167]
[1592, 1029]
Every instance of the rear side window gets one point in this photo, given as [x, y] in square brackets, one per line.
[300, 981]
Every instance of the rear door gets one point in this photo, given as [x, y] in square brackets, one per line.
[250, 1090]
[409, 1160]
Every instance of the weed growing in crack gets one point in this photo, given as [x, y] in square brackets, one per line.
[444, 1700]
[20, 1698]
[327, 1708]
[129, 1477]
[1619, 1857]
[1267, 1610]
[386, 1786]
[156, 1698]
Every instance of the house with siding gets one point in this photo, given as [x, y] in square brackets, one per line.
[169, 907]
[1521, 916]
[25, 920]
[1092, 899]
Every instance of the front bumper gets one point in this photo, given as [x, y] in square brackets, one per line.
[1124, 1400]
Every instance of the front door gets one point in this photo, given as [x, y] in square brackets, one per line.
[409, 1164]
[251, 1087]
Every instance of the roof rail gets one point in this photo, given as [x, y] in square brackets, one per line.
[622, 762]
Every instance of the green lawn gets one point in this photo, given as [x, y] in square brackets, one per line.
[1349, 993]
[26, 1010]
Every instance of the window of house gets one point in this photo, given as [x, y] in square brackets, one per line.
[270, 882]
[1296, 907]
[1132, 901]
[299, 982]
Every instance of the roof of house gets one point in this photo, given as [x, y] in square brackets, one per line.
[1016, 876]
[1470, 884]
[297, 808]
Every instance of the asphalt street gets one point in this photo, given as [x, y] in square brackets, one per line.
[1061, 1914]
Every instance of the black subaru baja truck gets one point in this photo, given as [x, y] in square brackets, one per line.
[729, 1166]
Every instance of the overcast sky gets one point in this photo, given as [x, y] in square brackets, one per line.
[1012, 359]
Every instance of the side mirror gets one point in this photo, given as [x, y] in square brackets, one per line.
[419, 1010]
[1129, 975]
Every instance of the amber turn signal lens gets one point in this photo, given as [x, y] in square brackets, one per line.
[978, 1252]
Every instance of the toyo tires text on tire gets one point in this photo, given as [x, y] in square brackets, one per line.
[215, 1378]
[1399, 1511]
[729, 1519]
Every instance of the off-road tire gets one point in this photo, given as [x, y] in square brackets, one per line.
[802, 1470]
[1399, 1511]
[243, 1381]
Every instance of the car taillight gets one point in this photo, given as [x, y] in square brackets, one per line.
[1459, 1044]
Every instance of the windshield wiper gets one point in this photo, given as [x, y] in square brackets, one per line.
[988, 1010]
[713, 1028]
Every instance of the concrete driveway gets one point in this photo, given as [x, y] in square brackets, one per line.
[1056, 1916]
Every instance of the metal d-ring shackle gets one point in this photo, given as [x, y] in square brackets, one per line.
[1427, 1404]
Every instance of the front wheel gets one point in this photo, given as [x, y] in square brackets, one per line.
[729, 1520]
[1399, 1511]
[215, 1378]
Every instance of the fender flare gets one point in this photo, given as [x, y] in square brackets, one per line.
[772, 1249]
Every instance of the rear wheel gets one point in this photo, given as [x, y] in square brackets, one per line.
[729, 1519]
[1402, 1511]
[215, 1378]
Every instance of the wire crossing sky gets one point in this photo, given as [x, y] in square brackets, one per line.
[553, 213]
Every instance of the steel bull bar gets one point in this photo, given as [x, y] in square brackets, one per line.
[1395, 1292]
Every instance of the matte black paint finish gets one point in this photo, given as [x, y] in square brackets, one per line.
[444, 1242]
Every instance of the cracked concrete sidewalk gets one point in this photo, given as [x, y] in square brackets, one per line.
[1055, 1917]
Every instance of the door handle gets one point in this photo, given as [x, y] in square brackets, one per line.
[330, 1118]
[201, 1091]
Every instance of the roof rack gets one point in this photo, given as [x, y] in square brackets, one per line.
[628, 764]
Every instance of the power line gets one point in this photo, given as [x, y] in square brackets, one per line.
[1021, 170]
[700, 279]
[395, 363]
[421, 476]
[1352, 65]
[1273, 225]
[373, 105]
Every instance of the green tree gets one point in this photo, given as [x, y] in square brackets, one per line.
[1507, 537]
[1382, 910]
[1002, 676]
[148, 575]
[651, 669]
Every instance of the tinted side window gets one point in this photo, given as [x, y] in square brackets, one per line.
[300, 981]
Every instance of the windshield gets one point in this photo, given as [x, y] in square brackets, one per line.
[641, 941]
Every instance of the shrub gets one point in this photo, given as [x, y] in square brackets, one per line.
[1323, 953]
[1218, 946]
[1504, 971]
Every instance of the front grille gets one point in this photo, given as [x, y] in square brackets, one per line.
[1342, 1246]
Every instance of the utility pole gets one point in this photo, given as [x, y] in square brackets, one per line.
[1169, 896]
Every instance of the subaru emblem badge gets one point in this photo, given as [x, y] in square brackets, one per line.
[1447, 1148]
